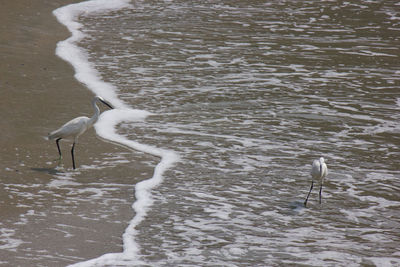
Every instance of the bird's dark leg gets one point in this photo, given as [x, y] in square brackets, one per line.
[320, 194]
[305, 202]
[72, 154]
[58, 147]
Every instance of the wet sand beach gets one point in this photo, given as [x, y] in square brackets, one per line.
[48, 213]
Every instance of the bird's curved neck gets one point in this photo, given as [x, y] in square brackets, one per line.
[96, 114]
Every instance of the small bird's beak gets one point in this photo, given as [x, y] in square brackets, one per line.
[107, 104]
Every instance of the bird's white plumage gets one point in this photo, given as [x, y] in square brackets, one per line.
[72, 129]
[75, 127]
[319, 170]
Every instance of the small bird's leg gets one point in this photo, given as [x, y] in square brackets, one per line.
[320, 193]
[305, 202]
[59, 150]
[72, 154]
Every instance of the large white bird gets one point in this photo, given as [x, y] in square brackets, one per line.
[319, 171]
[75, 127]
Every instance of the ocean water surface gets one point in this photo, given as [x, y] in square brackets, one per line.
[234, 100]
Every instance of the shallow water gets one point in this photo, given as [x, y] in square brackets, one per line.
[248, 94]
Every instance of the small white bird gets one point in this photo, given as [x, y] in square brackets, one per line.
[75, 127]
[319, 171]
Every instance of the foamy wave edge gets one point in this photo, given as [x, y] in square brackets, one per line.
[106, 125]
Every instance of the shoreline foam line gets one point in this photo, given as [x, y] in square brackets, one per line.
[68, 51]
[106, 125]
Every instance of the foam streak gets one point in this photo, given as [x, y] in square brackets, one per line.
[106, 126]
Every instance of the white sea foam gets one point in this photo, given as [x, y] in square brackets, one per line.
[67, 49]
[108, 121]
[246, 133]
[7, 239]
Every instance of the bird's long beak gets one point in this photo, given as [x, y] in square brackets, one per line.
[107, 104]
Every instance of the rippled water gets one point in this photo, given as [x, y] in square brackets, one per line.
[249, 93]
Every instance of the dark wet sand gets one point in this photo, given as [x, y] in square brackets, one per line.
[38, 94]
